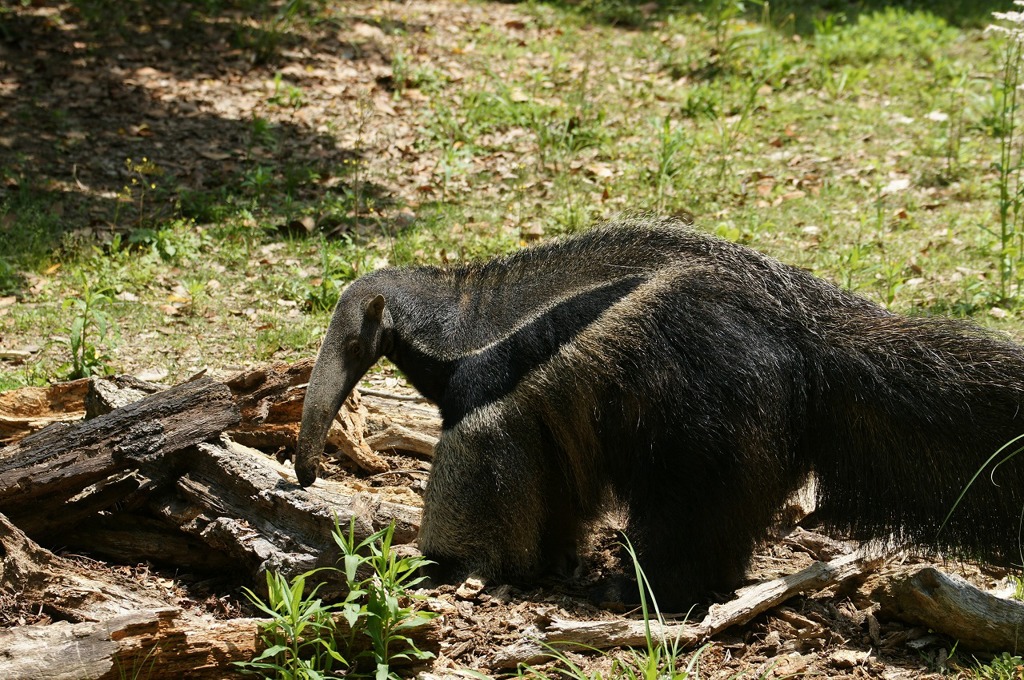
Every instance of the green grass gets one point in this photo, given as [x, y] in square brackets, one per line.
[858, 143]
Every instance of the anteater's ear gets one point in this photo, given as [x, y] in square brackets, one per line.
[375, 308]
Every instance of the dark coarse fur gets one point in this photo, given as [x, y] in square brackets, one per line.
[695, 381]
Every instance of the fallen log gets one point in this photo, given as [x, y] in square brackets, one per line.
[168, 501]
[155, 644]
[62, 587]
[952, 606]
[270, 400]
[106, 394]
[30, 409]
[566, 635]
[134, 537]
[52, 479]
[250, 508]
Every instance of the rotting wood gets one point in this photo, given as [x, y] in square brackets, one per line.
[750, 601]
[55, 477]
[61, 586]
[30, 409]
[952, 606]
[155, 643]
[132, 537]
[347, 434]
[412, 413]
[398, 438]
[270, 400]
[161, 643]
[760, 597]
[106, 394]
[249, 507]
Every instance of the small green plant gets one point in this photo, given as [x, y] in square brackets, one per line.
[1009, 167]
[286, 94]
[1015, 448]
[258, 180]
[720, 17]
[674, 156]
[195, 289]
[323, 295]
[379, 605]
[303, 640]
[1018, 587]
[262, 133]
[89, 326]
[1003, 667]
[142, 176]
[268, 33]
[300, 636]
[139, 666]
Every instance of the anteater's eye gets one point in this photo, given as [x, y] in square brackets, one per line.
[353, 350]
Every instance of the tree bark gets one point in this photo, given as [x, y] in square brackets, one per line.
[952, 606]
[248, 506]
[51, 480]
[156, 643]
[62, 587]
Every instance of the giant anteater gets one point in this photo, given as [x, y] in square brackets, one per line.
[694, 381]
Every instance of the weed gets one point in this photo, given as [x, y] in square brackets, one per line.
[302, 637]
[1018, 587]
[138, 666]
[891, 279]
[174, 242]
[89, 326]
[674, 156]
[721, 17]
[1010, 165]
[286, 94]
[340, 263]
[379, 605]
[195, 290]
[1006, 666]
[262, 133]
[627, 13]
[893, 33]
[954, 124]
[142, 178]
[995, 460]
[258, 180]
[265, 38]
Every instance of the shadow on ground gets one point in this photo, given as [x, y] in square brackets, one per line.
[798, 15]
[88, 90]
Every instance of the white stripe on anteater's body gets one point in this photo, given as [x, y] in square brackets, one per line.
[694, 381]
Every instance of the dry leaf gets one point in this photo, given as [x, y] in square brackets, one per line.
[152, 374]
[895, 186]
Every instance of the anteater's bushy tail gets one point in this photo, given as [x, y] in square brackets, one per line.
[904, 413]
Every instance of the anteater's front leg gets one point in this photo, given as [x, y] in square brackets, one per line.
[489, 508]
